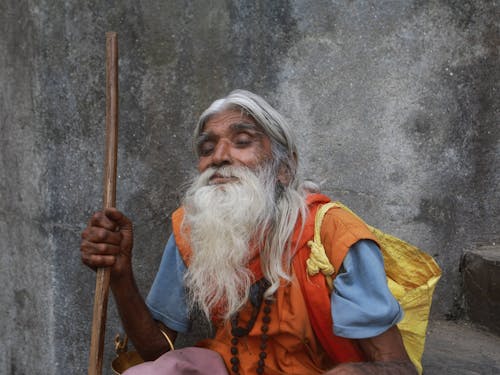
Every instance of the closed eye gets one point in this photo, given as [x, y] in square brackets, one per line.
[243, 139]
[205, 144]
[205, 148]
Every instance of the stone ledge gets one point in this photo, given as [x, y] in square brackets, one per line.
[481, 276]
[460, 348]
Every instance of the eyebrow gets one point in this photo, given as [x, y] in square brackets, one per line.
[245, 126]
[239, 126]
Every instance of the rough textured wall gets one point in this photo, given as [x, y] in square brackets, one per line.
[396, 104]
[26, 237]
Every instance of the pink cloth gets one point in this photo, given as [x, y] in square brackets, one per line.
[186, 361]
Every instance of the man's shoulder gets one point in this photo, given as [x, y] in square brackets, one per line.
[340, 227]
[338, 217]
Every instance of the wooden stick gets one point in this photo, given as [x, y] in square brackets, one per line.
[109, 200]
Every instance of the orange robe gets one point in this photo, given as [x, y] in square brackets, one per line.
[292, 347]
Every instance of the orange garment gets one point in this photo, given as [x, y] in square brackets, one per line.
[293, 347]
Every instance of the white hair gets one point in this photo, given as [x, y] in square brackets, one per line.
[226, 225]
[288, 197]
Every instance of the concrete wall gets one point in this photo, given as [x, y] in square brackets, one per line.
[396, 103]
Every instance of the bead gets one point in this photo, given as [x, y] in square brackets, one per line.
[239, 332]
[235, 361]
[256, 297]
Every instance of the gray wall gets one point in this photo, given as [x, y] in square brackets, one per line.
[396, 104]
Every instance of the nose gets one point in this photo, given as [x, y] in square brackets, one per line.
[222, 154]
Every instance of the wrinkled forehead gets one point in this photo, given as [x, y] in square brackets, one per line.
[234, 118]
[237, 114]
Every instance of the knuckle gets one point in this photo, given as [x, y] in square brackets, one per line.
[85, 233]
[84, 247]
[86, 259]
[96, 217]
[101, 247]
[100, 234]
[93, 260]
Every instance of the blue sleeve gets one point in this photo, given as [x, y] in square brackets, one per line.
[362, 304]
[167, 298]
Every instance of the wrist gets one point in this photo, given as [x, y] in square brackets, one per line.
[122, 280]
[378, 367]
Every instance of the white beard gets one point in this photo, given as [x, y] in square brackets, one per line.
[222, 221]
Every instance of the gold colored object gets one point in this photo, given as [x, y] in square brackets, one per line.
[125, 359]
[170, 343]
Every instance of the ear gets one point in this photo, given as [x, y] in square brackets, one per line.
[285, 174]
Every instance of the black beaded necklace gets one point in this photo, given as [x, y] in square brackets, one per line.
[256, 296]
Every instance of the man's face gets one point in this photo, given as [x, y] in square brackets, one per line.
[231, 138]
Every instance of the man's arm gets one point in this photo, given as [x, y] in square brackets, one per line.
[140, 326]
[370, 315]
[107, 242]
[386, 353]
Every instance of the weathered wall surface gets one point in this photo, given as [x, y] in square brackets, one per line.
[396, 104]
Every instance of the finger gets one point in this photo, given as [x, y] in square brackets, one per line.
[101, 235]
[90, 248]
[97, 261]
[118, 217]
[99, 219]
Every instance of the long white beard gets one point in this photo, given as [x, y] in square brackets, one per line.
[223, 221]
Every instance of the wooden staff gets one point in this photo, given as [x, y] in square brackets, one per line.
[109, 200]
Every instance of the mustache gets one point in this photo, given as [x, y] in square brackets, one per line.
[225, 172]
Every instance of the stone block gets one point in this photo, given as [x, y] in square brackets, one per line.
[481, 272]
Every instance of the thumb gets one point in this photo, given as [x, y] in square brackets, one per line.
[124, 226]
[119, 218]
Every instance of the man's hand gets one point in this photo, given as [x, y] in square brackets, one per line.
[107, 242]
[375, 368]
[386, 353]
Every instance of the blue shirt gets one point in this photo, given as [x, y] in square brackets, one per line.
[361, 302]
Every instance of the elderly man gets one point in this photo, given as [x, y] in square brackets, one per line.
[242, 222]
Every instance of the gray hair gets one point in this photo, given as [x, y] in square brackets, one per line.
[276, 254]
[283, 141]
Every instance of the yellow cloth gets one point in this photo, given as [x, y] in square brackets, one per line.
[412, 276]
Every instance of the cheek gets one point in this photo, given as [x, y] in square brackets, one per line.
[252, 158]
[266, 149]
[264, 153]
[202, 164]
